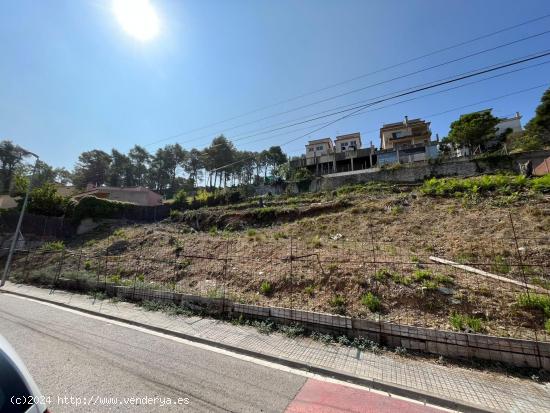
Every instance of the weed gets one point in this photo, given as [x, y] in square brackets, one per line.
[400, 351]
[401, 279]
[264, 327]
[280, 235]
[371, 301]
[87, 265]
[115, 279]
[213, 230]
[462, 322]
[292, 330]
[541, 282]
[53, 246]
[266, 288]
[251, 232]
[343, 340]
[310, 290]
[97, 295]
[315, 242]
[214, 293]
[443, 279]
[120, 233]
[422, 275]
[535, 302]
[338, 304]
[547, 325]
[429, 285]
[382, 274]
[500, 265]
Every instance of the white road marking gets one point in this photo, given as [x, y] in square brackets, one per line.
[243, 357]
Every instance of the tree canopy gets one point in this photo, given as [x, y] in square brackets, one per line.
[473, 129]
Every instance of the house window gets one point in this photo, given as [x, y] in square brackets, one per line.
[320, 148]
[311, 149]
[397, 135]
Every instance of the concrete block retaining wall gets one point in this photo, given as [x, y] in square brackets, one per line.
[514, 352]
[419, 171]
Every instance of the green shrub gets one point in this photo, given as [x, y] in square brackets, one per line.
[119, 233]
[547, 326]
[45, 200]
[266, 288]
[87, 265]
[422, 275]
[96, 208]
[53, 246]
[503, 184]
[292, 330]
[115, 279]
[176, 216]
[371, 301]
[251, 232]
[535, 302]
[541, 184]
[429, 285]
[180, 200]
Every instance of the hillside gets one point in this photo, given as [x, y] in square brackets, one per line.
[362, 251]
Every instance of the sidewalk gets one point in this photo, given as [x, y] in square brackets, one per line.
[486, 391]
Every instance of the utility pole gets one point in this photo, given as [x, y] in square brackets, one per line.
[20, 221]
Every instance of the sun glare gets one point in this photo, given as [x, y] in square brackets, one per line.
[137, 17]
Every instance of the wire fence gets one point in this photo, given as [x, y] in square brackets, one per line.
[498, 286]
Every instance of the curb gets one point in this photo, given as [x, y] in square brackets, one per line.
[424, 397]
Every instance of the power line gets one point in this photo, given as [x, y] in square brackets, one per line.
[264, 131]
[363, 102]
[353, 91]
[360, 108]
[456, 45]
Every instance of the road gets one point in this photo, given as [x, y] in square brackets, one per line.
[105, 364]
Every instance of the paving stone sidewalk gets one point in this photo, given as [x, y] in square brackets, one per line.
[490, 391]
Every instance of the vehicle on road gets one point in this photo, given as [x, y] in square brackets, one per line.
[18, 391]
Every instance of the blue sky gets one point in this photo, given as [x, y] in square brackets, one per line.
[73, 80]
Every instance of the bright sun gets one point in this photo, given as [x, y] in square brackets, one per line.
[137, 17]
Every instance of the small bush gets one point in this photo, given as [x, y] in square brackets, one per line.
[541, 184]
[422, 275]
[461, 322]
[310, 290]
[429, 285]
[264, 327]
[292, 330]
[382, 274]
[87, 265]
[338, 304]
[443, 279]
[115, 279]
[251, 232]
[53, 246]
[371, 301]
[120, 233]
[266, 288]
[547, 326]
[535, 302]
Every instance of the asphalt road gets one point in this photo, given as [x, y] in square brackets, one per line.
[104, 365]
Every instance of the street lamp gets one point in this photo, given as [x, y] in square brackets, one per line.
[21, 214]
